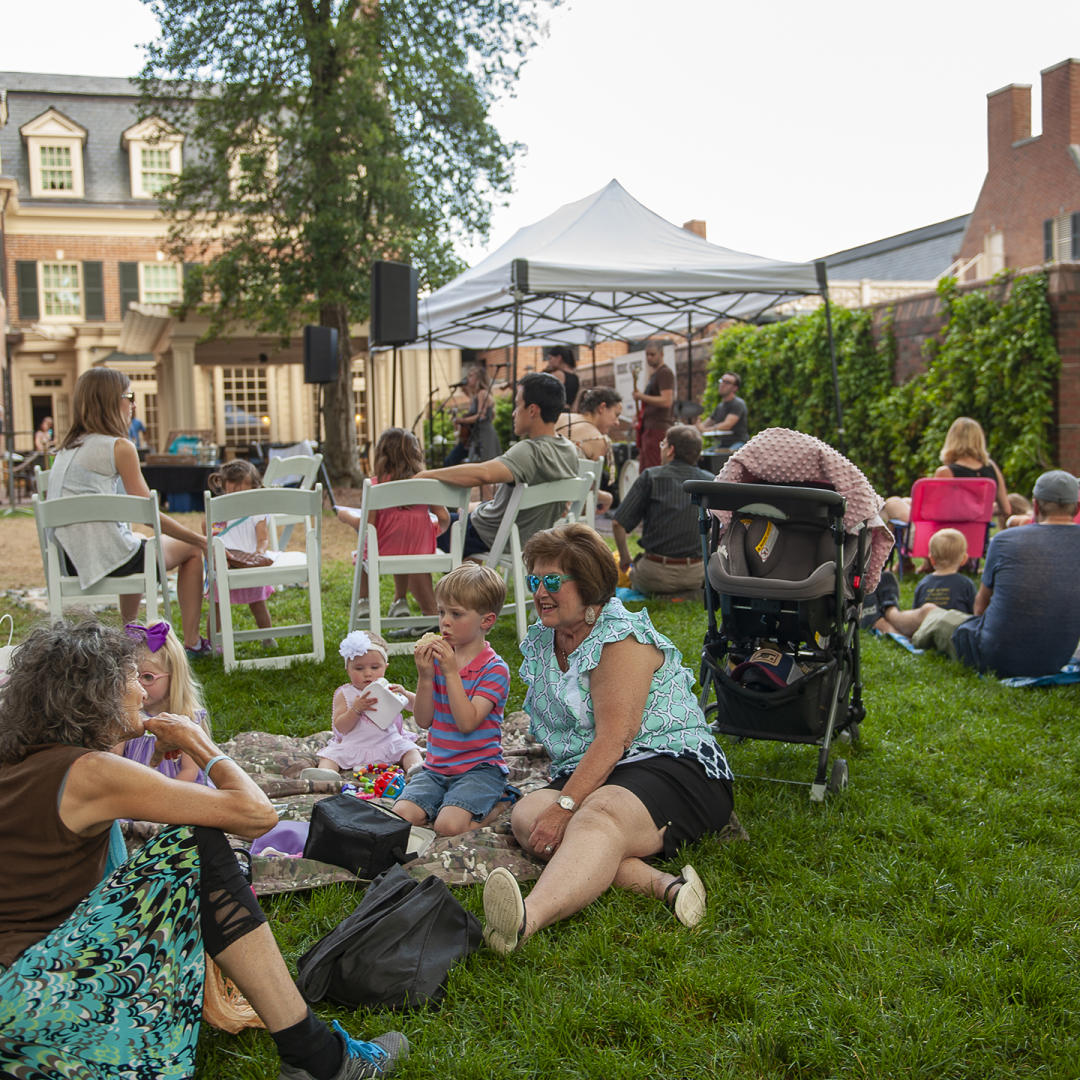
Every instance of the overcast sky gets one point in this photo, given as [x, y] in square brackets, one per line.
[794, 129]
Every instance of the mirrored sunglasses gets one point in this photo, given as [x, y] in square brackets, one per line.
[551, 582]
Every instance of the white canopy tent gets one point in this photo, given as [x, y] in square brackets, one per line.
[606, 267]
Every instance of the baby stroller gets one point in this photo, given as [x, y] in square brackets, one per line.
[786, 568]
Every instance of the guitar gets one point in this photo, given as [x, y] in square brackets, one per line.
[462, 429]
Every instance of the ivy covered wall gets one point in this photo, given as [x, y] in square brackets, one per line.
[995, 359]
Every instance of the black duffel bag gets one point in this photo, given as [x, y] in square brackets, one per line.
[395, 950]
[357, 835]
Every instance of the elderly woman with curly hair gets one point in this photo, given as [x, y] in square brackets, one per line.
[635, 771]
[103, 975]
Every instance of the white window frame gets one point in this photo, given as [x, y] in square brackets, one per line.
[43, 293]
[54, 130]
[144, 289]
[151, 134]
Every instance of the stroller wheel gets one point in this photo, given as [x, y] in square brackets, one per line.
[838, 778]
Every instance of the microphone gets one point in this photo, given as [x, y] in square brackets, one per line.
[458, 385]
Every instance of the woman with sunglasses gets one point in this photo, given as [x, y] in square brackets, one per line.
[97, 458]
[635, 771]
[104, 971]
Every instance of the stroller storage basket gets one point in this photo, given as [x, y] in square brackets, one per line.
[797, 713]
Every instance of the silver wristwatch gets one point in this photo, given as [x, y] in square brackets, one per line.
[567, 803]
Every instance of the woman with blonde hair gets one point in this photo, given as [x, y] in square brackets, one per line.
[963, 455]
[97, 458]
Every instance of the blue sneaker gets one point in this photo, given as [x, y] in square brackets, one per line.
[360, 1060]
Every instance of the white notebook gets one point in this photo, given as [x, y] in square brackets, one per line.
[388, 705]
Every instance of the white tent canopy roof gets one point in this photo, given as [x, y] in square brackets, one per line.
[604, 267]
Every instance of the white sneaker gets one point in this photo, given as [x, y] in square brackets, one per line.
[398, 608]
[363, 609]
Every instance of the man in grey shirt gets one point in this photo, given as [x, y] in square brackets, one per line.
[671, 561]
[1027, 609]
[729, 416]
[539, 457]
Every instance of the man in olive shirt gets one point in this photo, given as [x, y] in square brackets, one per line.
[540, 456]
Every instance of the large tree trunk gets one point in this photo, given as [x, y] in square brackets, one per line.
[339, 444]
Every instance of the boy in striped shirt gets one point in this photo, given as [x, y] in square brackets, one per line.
[462, 685]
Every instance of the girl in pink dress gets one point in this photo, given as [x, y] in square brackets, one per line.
[245, 534]
[402, 530]
[358, 740]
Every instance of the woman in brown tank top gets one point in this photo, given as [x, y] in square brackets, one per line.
[70, 941]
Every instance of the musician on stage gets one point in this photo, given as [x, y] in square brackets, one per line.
[654, 405]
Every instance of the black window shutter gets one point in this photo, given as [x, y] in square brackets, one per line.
[189, 268]
[94, 291]
[1074, 220]
[129, 285]
[1048, 240]
[26, 284]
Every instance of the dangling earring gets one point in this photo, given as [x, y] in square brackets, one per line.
[590, 616]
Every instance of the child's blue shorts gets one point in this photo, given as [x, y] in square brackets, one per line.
[477, 790]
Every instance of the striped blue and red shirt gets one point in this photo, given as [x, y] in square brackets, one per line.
[451, 752]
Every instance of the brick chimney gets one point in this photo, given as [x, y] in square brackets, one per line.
[696, 226]
[1008, 119]
[1061, 102]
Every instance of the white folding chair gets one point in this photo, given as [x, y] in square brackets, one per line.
[288, 568]
[55, 513]
[298, 471]
[585, 510]
[384, 496]
[505, 553]
[41, 481]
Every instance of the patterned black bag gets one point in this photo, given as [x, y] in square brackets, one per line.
[352, 833]
[395, 950]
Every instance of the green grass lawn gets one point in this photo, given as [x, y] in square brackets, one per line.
[922, 924]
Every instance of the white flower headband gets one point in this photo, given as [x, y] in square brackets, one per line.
[359, 644]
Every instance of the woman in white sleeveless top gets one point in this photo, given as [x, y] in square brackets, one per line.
[96, 457]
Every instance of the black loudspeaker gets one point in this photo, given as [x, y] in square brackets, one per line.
[320, 354]
[393, 303]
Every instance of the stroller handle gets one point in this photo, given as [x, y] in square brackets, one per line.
[787, 499]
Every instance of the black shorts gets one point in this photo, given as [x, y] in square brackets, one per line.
[135, 565]
[677, 793]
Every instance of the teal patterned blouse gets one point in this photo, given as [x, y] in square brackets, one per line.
[560, 706]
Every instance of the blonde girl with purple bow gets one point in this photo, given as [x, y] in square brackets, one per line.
[171, 687]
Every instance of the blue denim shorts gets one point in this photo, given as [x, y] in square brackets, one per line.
[477, 790]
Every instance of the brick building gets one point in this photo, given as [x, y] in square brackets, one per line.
[81, 242]
[1028, 211]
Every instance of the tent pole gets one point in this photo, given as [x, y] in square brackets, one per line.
[430, 394]
[517, 331]
[689, 357]
[592, 350]
[819, 266]
[393, 389]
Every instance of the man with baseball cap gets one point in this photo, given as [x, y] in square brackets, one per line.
[1027, 610]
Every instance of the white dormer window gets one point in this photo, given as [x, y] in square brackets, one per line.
[54, 149]
[155, 152]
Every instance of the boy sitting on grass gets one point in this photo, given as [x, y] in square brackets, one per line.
[946, 586]
[462, 686]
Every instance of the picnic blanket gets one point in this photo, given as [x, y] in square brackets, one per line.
[275, 762]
